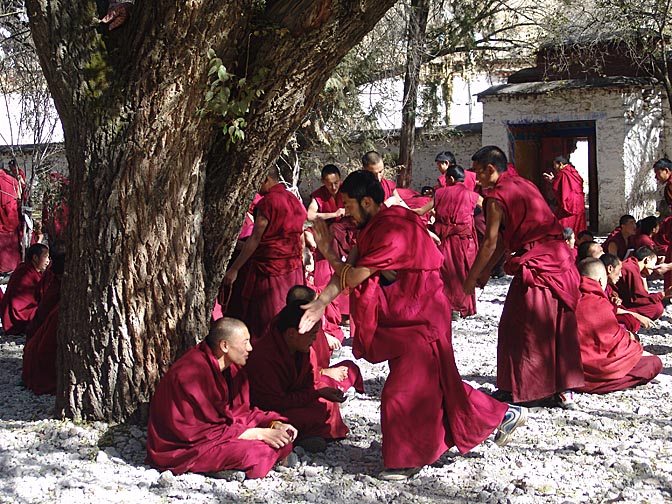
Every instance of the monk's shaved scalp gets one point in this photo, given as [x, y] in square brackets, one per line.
[493, 155]
[592, 268]
[587, 248]
[371, 158]
[457, 172]
[290, 316]
[224, 329]
[625, 219]
[610, 260]
[301, 293]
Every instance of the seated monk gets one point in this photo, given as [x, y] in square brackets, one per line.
[50, 294]
[570, 239]
[612, 357]
[38, 371]
[646, 229]
[344, 375]
[617, 242]
[588, 249]
[632, 289]
[632, 321]
[21, 297]
[282, 379]
[200, 418]
[583, 236]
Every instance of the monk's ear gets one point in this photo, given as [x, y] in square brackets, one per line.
[367, 201]
[224, 346]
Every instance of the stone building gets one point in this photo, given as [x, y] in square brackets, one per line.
[622, 118]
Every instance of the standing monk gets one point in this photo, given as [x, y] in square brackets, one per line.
[445, 160]
[402, 316]
[373, 162]
[538, 353]
[12, 182]
[454, 206]
[272, 258]
[200, 418]
[662, 170]
[569, 199]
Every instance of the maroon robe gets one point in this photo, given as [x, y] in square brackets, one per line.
[454, 207]
[275, 266]
[634, 295]
[340, 227]
[389, 187]
[197, 414]
[55, 211]
[21, 298]
[425, 406]
[320, 356]
[617, 238]
[285, 383]
[48, 300]
[469, 181]
[608, 352]
[538, 349]
[642, 240]
[569, 198]
[662, 237]
[627, 320]
[10, 221]
[39, 356]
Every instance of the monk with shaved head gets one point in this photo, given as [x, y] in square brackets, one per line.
[200, 418]
[612, 357]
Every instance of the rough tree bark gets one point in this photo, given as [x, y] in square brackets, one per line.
[156, 199]
[414, 59]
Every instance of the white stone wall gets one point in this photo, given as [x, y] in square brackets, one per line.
[629, 135]
[463, 145]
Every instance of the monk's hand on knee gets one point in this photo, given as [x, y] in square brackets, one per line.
[331, 394]
[276, 438]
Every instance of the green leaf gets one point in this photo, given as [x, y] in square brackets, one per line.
[221, 73]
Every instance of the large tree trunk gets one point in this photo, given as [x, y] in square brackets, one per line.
[157, 201]
[414, 58]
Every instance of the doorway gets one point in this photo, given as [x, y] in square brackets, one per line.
[533, 146]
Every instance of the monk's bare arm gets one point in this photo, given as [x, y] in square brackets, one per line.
[313, 212]
[275, 438]
[490, 247]
[425, 208]
[251, 244]
[612, 248]
[395, 199]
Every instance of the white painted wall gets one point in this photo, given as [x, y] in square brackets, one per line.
[629, 129]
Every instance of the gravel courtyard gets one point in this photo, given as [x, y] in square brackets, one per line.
[615, 448]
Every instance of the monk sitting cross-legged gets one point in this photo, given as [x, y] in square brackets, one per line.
[632, 288]
[282, 379]
[21, 297]
[612, 357]
[402, 315]
[200, 418]
[345, 374]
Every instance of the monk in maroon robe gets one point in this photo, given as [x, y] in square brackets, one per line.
[454, 208]
[401, 315]
[49, 291]
[644, 237]
[272, 258]
[617, 241]
[632, 287]
[445, 160]
[662, 170]
[612, 357]
[55, 211]
[630, 320]
[373, 162]
[538, 353]
[570, 202]
[12, 183]
[282, 379]
[39, 356]
[21, 297]
[200, 418]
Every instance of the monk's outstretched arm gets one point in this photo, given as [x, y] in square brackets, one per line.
[490, 250]
[314, 213]
[251, 244]
[425, 208]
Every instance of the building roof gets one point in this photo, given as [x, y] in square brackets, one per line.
[545, 87]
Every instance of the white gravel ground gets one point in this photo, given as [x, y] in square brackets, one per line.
[616, 448]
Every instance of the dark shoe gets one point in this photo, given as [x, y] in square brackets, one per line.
[399, 474]
[515, 417]
[497, 272]
[313, 444]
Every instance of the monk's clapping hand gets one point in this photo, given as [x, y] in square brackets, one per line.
[331, 394]
[323, 235]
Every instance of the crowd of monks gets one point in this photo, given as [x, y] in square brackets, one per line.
[396, 266]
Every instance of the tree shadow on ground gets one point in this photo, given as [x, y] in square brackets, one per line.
[16, 401]
[658, 349]
[480, 379]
